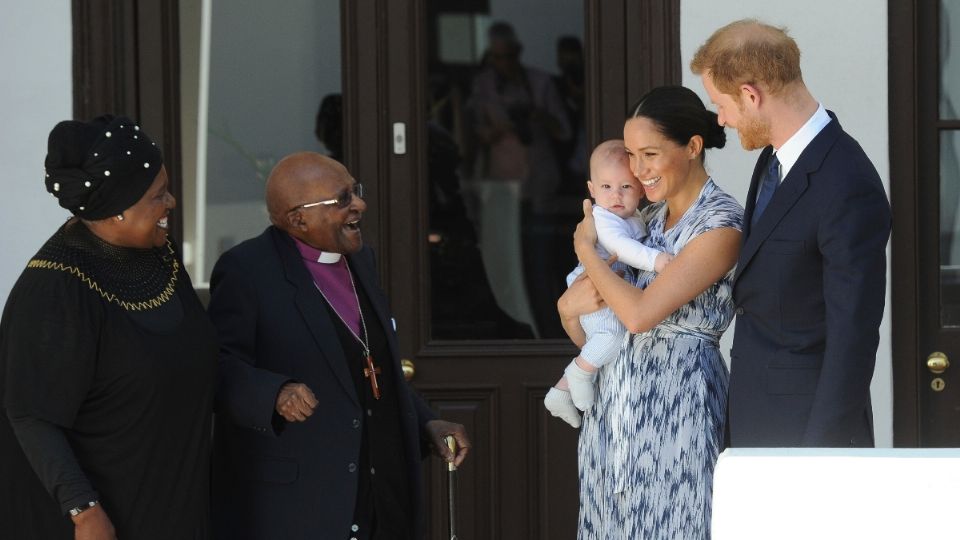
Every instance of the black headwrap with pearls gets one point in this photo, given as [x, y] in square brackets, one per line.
[99, 168]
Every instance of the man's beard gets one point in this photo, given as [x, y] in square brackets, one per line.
[754, 133]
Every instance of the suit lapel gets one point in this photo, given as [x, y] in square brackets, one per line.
[752, 192]
[783, 199]
[314, 311]
[790, 190]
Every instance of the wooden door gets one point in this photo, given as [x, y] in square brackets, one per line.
[925, 165]
[476, 317]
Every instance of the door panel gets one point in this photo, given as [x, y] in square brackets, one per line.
[520, 480]
[476, 407]
[925, 151]
[502, 200]
[940, 310]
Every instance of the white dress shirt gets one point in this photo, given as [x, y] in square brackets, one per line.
[790, 151]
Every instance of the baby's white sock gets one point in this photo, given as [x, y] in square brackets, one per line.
[559, 403]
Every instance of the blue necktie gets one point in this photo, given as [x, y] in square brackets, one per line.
[770, 182]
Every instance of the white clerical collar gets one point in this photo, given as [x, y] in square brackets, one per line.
[310, 253]
[328, 258]
[789, 153]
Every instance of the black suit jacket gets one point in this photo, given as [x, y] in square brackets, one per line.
[275, 480]
[809, 290]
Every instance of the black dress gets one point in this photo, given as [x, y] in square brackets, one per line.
[127, 378]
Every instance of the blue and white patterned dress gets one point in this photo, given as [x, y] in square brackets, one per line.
[649, 444]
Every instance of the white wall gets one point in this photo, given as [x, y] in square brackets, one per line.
[36, 93]
[845, 66]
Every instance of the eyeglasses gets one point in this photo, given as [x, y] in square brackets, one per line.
[343, 199]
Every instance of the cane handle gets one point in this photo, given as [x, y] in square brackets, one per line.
[452, 445]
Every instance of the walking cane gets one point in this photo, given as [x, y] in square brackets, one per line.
[451, 486]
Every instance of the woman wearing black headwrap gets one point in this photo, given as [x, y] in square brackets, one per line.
[107, 359]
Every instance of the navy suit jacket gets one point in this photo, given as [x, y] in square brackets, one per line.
[275, 480]
[809, 290]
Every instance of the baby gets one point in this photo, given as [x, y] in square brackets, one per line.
[616, 194]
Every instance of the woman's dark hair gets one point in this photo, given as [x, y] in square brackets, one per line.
[679, 114]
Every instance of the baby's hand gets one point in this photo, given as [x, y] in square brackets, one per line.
[661, 261]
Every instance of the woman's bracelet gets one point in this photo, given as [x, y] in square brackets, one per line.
[83, 508]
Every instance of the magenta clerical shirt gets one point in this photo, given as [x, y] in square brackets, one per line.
[331, 275]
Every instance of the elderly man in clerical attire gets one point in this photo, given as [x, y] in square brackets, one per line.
[317, 434]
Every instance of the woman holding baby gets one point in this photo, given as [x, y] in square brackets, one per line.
[649, 443]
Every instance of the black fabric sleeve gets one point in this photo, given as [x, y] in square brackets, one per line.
[51, 457]
[48, 351]
[246, 394]
[48, 346]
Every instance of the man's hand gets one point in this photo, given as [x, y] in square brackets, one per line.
[93, 524]
[438, 430]
[295, 402]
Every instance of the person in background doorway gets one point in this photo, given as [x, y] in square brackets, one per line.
[329, 125]
[571, 87]
[517, 120]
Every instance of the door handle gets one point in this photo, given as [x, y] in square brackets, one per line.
[937, 362]
[409, 370]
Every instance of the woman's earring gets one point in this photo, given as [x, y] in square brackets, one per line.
[119, 217]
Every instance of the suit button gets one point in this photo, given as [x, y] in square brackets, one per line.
[352, 467]
[356, 423]
[739, 311]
